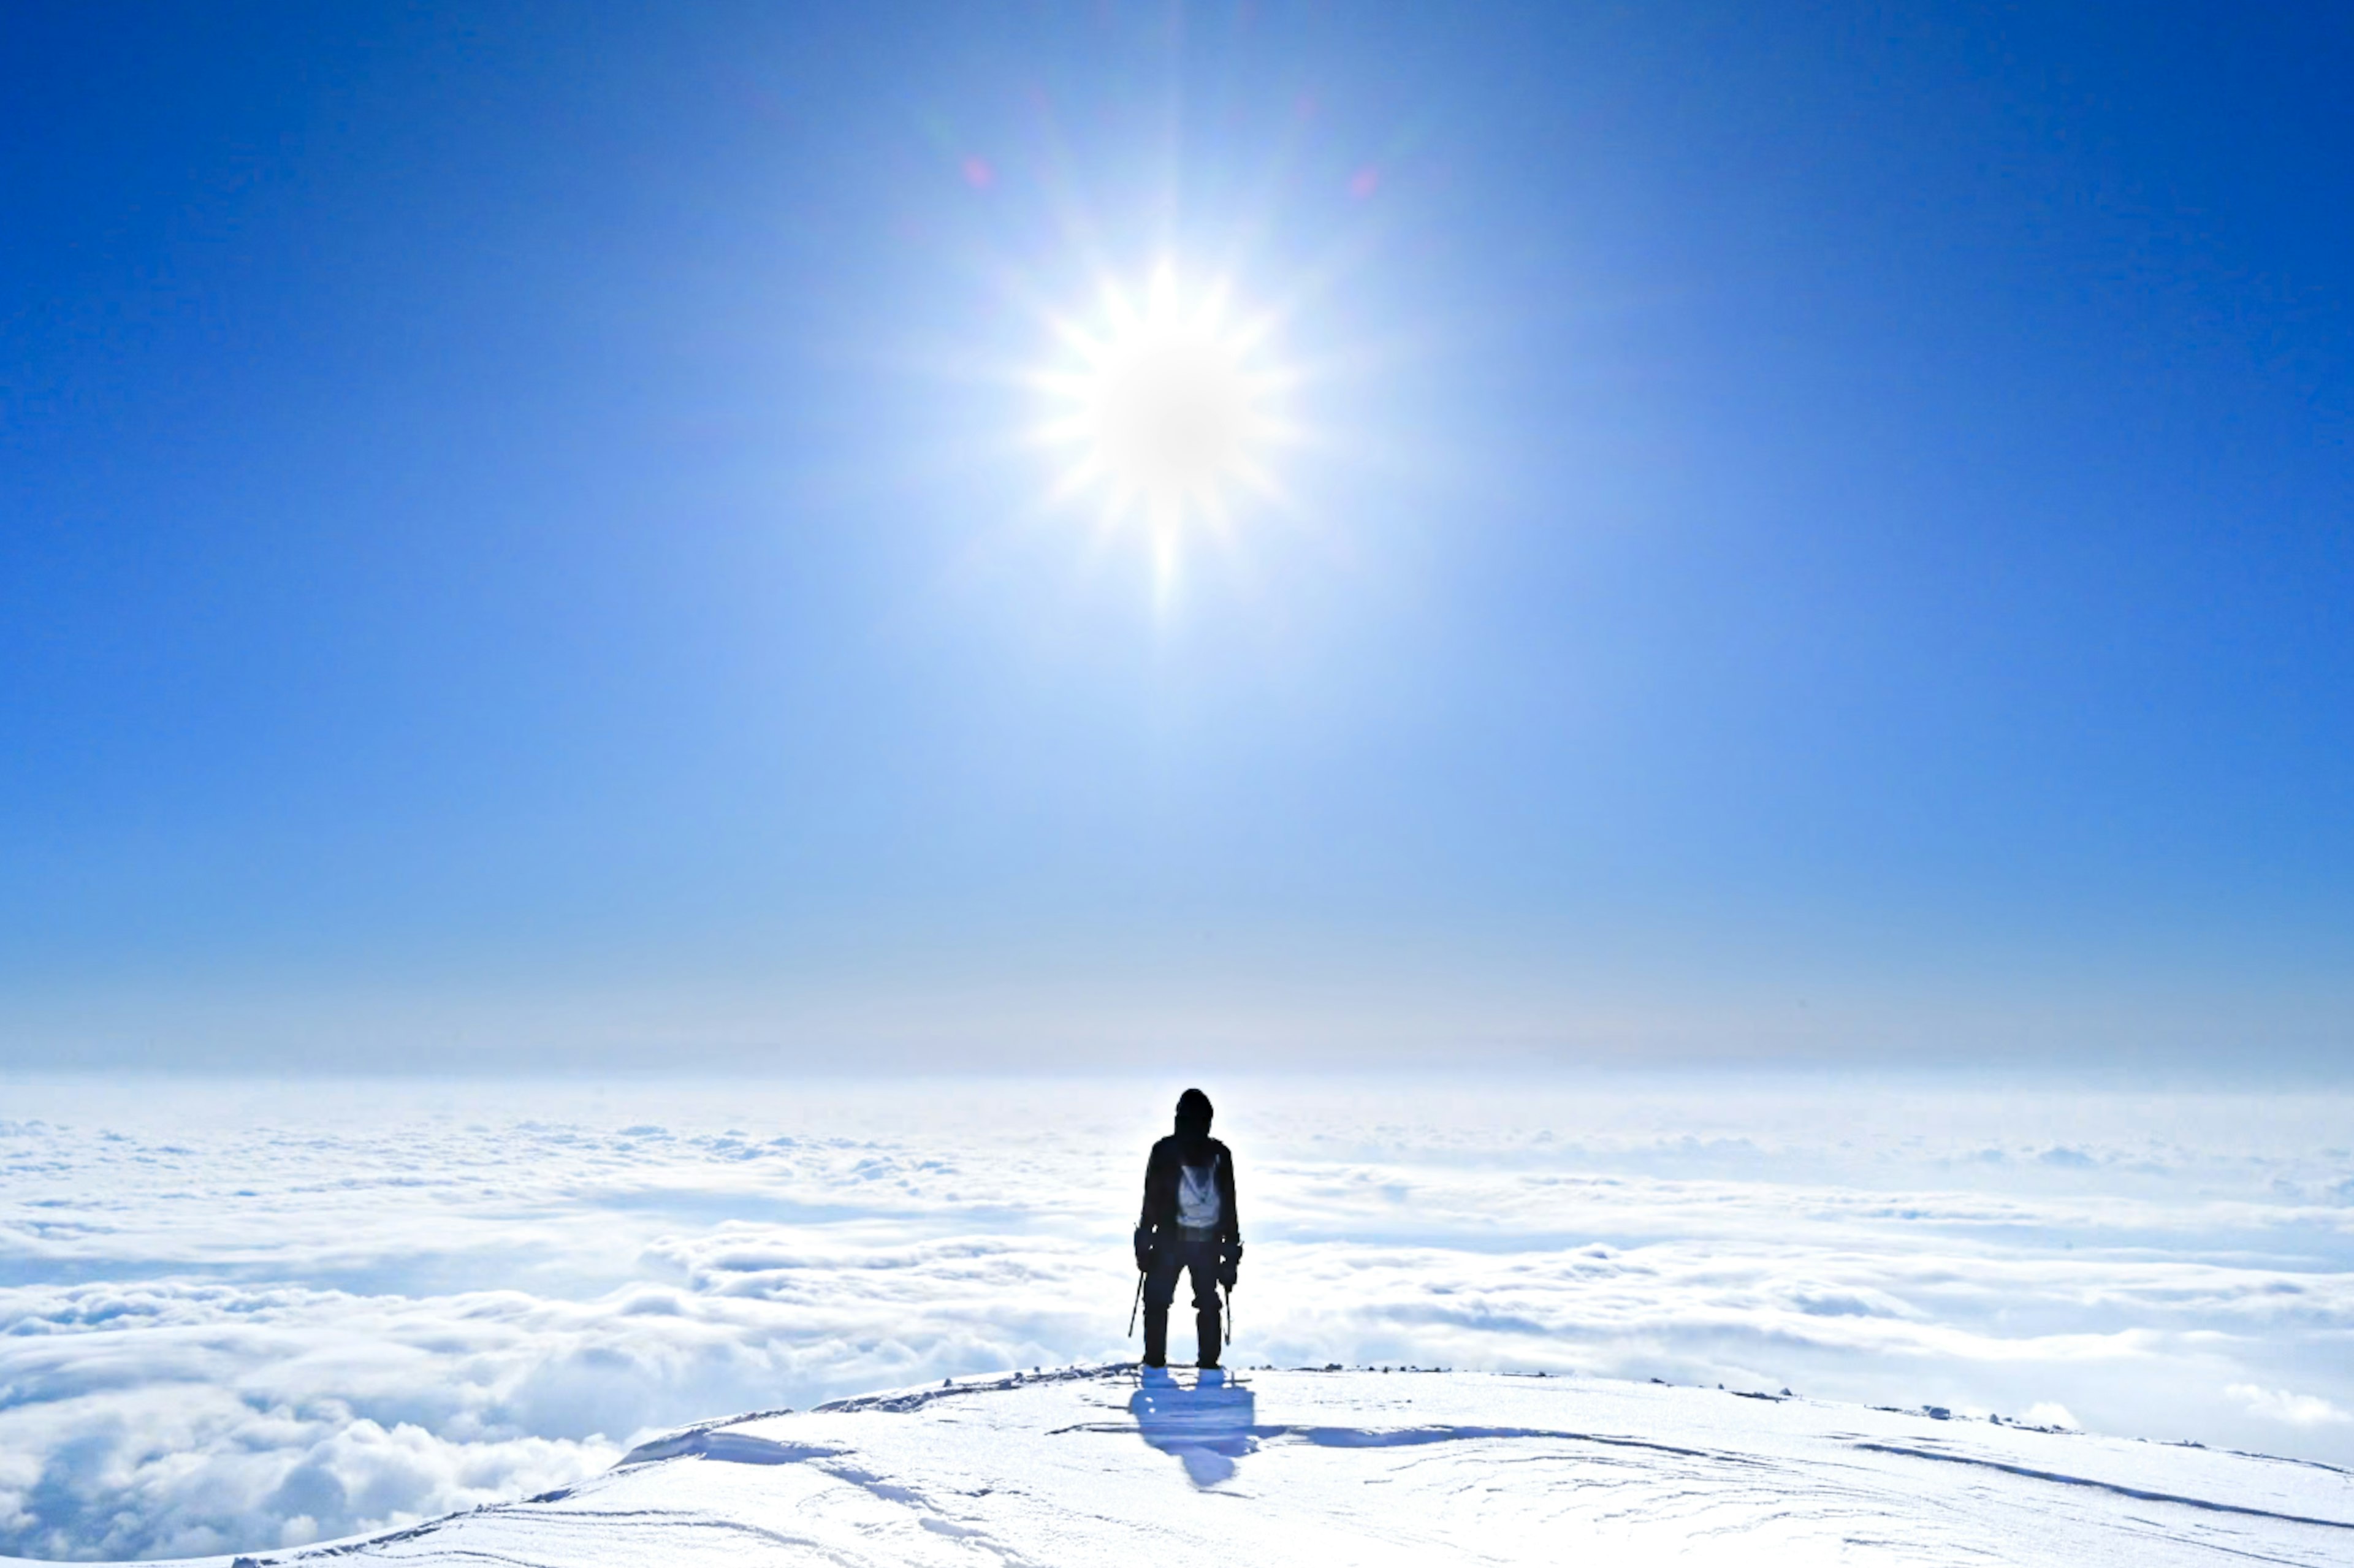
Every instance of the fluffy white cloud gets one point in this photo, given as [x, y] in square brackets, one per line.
[177, 1469]
[2280, 1405]
[245, 1316]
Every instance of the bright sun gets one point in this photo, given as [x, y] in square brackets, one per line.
[1165, 407]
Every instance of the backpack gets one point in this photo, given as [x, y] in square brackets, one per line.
[1198, 1208]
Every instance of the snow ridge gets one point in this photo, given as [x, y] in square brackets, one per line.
[1074, 1467]
[2104, 1485]
[899, 1402]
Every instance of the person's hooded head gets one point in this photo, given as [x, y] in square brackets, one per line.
[1193, 1115]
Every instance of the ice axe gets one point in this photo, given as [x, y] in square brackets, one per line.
[1139, 1301]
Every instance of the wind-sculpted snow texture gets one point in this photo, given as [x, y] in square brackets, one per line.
[1399, 1468]
[246, 1318]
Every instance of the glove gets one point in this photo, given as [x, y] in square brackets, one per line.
[1143, 1250]
[1230, 1264]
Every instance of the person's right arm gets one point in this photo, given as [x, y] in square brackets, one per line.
[1144, 1216]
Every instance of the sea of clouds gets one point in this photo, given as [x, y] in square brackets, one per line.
[237, 1315]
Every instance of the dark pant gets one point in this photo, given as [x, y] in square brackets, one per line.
[1172, 1254]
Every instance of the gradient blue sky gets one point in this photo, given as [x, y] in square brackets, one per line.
[1828, 538]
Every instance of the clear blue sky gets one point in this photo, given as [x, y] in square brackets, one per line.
[1827, 532]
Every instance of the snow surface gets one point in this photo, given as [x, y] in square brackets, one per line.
[238, 1316]
[1089, 1466]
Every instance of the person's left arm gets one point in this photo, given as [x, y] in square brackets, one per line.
[1230, 1247]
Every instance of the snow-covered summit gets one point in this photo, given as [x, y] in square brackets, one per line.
[1093, 1466]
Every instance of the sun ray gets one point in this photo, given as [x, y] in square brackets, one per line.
[1166, 402]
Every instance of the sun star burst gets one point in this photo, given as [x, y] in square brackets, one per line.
[1165, 405]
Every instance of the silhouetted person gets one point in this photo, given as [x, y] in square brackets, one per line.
[1188, 1226]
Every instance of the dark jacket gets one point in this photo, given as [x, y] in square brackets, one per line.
[1170, 1155]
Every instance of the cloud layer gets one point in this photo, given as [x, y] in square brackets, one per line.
[236, 1315]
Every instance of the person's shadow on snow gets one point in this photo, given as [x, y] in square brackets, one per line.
[1207, 1428]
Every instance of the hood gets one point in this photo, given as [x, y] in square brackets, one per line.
[1193, 1114]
